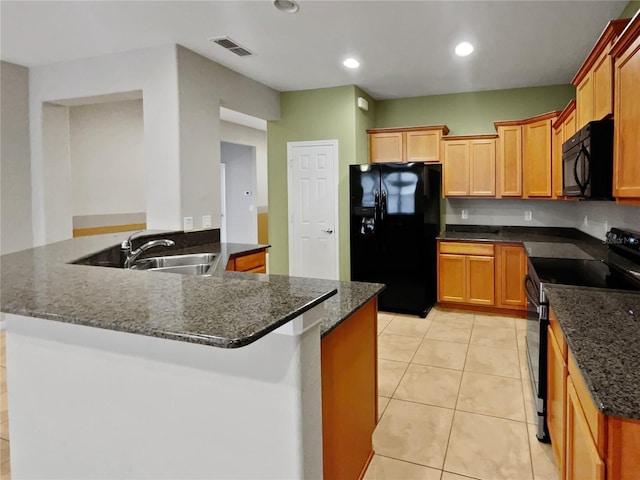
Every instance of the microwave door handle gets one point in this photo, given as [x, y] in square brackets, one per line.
[575, 172]
[587, 156]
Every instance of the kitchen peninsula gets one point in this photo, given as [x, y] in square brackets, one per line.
[152, 375]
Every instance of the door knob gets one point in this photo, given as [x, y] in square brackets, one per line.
[328, 230]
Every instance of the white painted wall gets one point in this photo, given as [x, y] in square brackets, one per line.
[15, 163]
[107, 158]
[152, 71]
[242, 135]
[182, 93]
[203, 87]
[242, 216]
[593, 218]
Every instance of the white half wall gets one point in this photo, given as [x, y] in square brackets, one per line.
[15, 162]
[242, 135]
[592, 217]
[242, 212]
[107, 158]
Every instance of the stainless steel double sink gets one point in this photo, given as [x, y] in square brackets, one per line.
[202, 264]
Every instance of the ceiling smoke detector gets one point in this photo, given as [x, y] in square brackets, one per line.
[232, 46]
[288, 6]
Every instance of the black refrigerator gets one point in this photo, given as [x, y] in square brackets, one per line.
[395, 219]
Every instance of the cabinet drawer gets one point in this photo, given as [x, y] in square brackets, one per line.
[463, 248]
[251, 261]
[595, 418]
[557, 333]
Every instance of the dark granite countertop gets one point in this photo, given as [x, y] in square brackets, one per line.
[549, 242]
[602, 328]
[226, 309]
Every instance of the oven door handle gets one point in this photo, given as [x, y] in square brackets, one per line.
[529, 283]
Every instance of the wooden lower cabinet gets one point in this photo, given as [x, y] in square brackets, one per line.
[587, 444]
[485, 275]
[556, 398]
[349, 394]
[511, 268]
[251, 263]
[466, 273]
[582, 459]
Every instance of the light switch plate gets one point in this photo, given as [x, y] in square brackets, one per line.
[206, 221]
[187, 223]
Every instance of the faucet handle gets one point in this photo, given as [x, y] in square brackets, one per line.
[126, 244]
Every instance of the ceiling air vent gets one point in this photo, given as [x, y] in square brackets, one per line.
[232, 46]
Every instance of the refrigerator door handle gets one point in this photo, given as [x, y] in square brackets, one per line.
[383, 205]
[376, 204]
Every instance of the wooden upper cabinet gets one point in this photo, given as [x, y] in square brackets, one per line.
[411, 144]
[626, 139]
[469, 166]
[482, 167]
[594, 80]
[536, 156]
[386, 147]
[509, 165]
[563, 129]
[455, 168]
[584, 98]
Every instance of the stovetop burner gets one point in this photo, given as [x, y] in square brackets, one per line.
[581, 273]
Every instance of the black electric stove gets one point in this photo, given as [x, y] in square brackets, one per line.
[619, 271]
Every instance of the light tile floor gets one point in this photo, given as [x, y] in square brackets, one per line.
[455, 400]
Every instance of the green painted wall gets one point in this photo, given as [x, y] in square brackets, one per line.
[322, 114]
[474, 112]
[631, 9]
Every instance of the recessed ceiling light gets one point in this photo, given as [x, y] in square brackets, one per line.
[288, 6]
[463, 49]
[351, 63]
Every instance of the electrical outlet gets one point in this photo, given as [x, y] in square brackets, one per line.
[187, 223]
[206, 221]
[465, 214]
[527, 216]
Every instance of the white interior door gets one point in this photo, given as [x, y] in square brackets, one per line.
[313, 209]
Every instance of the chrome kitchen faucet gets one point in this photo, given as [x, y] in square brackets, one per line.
[132, 256]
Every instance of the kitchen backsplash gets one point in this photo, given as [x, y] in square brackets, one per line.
[591, 217]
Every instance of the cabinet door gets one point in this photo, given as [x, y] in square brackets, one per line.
[584, 100]
[602, 78]
[510, 161]
[556, 160]
[482, 166]
[455, 169]
[556, 399]
[582, 459]
[537, 159]
[451, 278]
[626, 153]
[386, 147]
[480, 280]
[510, 272]
[423, 146]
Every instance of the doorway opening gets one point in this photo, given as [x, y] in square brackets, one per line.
[239, 210]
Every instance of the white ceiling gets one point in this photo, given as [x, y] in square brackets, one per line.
[405, 48]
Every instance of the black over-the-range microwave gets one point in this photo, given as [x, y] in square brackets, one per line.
[587, 162]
